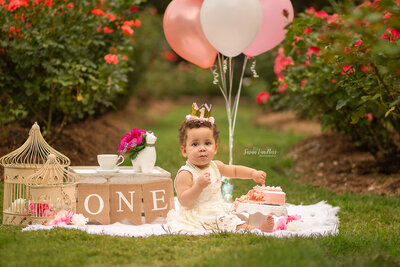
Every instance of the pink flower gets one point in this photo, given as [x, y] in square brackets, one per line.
[387, 16]
[285, 13]
[333, 81]
[109, 16]
[111, 58]
[297, 38]
[13, 31]
[14, 4]
[321, 14]
[365, 69]
[358, 43]
[291, 218]
[280, 78]
[49, 3]
[124, 58]
[138, 23]
[303, 83]
[310, 10]
[127, 30]
[134, 9]
[390, 34]
[280, 224]
[334, 18]
[307, 30]
[107, 30]
[153, 11]
[129, 23]
[131, 140]
[48, 213]
[347, 69]
[313, 50]
[97, 12]
[62, 216]
[347, 50]
[282, 88]
[281, 62]
[369, 117]
[170, 56]
[262, 98]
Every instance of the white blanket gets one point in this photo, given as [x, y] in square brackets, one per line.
[316, 220]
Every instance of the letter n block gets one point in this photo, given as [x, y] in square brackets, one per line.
[93, 202]
[158, 199]
[126, 203]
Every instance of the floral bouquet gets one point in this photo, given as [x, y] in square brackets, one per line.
[133, 142]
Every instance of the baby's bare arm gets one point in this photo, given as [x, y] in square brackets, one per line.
[242, 172]
[187, 191]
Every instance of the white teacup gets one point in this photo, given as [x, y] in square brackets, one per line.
[109, 161]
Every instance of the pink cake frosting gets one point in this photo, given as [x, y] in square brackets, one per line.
[263, 195]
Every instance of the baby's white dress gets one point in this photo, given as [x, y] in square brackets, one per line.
[209, 212]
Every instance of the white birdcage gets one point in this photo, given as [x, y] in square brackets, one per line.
[18, 165]
[51, 189]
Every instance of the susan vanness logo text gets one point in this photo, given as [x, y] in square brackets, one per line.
[261, 152]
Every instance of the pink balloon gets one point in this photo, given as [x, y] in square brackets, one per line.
[272, 30]
[183, 32]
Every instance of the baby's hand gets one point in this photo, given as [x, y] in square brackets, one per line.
[204, 180]
[259, 177]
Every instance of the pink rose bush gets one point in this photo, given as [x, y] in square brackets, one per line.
[343, 69]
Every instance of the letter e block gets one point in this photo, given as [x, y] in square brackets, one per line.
[158, 199]
[94, 202]
[126, 203]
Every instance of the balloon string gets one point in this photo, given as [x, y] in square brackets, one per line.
[222, 87]
[253, 69]
[215, 74]
[230, 81]
[236, 105]
[225, 68]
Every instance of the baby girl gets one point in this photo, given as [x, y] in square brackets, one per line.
[198, 183]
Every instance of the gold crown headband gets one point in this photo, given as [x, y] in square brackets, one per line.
[201, 113]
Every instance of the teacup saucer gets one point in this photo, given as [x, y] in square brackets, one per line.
[100, 170]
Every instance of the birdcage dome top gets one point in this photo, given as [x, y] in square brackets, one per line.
[33, 153]
[52, 173]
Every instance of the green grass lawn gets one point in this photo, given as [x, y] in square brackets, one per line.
[369, 224]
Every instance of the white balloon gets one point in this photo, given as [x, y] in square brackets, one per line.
[231, 25]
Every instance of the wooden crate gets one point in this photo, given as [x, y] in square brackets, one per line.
[124, 196]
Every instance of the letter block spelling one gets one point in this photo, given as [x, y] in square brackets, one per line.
[124, 196]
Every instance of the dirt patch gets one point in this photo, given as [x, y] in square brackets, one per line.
[82, 141]
[330, 159]
[288, 122]
[333, 161]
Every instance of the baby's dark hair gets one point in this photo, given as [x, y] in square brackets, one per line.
[196, 124]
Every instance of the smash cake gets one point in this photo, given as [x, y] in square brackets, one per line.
[263, 199]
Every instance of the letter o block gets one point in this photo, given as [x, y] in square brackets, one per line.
[93, 202]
